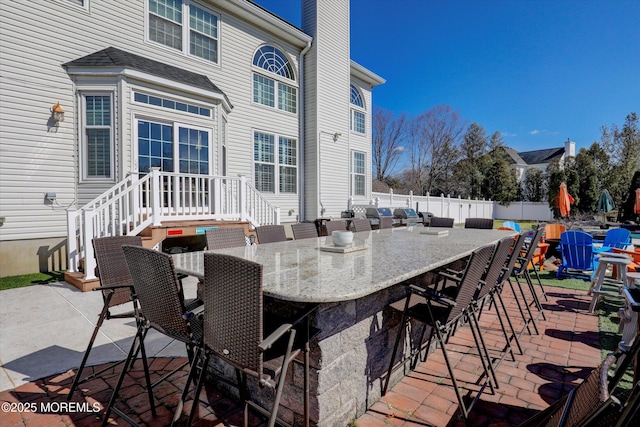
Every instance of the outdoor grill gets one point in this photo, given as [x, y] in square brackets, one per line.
[407, 216]
[374, 214]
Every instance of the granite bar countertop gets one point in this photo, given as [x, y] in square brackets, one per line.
[299, 270]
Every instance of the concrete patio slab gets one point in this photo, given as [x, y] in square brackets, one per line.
[46, 329]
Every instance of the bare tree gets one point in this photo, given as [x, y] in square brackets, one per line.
[389, 134]
[434, 139]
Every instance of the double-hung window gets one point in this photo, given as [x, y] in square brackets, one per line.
[357, 121]
[274, 83]
[358, 174]
[275, 163]
[171, 20]
[97, 136]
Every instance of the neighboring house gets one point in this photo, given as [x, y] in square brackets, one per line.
[539, 159]
[193, 87]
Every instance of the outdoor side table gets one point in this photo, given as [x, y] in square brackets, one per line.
[599, 278]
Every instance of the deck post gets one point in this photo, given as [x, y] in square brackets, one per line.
[242, 203]
[156, 191]
[89, 258]
[72, 241]
[217, 196]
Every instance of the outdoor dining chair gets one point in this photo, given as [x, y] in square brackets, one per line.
[482, 223]
[488, 293]
[360, 224]
[238, 331]
[521, 271]
[336, 225]
[442, 316]
[553, 231]
[271, 234]
[589, 404]
[226, 237]
[512, 225]
[618, 238]
[385, 222]
[576, 248]
[115, 287]
[437, 221]
[304, 230]
[162, 308]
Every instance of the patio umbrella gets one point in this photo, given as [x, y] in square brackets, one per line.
[636, 205]
[564, 200]
[605, 202]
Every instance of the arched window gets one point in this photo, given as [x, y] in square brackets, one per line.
[275, 88]
[357, 114]
[273, 60]
[356, 98]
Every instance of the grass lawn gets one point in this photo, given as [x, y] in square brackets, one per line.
[30, 279]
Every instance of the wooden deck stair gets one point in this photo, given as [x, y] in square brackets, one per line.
[153, 236]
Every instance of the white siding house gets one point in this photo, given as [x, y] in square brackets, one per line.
[206, 87]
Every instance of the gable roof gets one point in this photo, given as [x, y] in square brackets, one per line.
[112, 57]
[513, 154]
[541, 156]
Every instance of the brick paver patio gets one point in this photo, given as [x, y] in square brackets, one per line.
[554, 361]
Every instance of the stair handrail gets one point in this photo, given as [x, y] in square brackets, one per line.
[137, 202]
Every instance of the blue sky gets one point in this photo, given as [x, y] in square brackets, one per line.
[539, 71]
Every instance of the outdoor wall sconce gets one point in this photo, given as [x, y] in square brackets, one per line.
[57, 113]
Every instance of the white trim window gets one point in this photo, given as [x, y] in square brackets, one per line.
[267, 155]
[274, 81]
[171, 22]
[97, 136]
[358, 173]
[357, 120]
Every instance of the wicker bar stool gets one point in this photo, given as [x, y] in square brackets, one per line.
[116, 288]
[162, 308]
[237, 331]
[442, 316]
[304, 230]
[222, 238]
[271, 234]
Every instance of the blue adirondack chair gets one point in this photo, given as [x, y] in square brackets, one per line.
[576, 248]
[615, 238]
[512, 225]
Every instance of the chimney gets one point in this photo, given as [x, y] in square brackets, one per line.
[569, 148]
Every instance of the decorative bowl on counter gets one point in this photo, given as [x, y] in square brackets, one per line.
[342, 238]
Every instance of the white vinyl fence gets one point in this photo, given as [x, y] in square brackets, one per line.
[454, 207]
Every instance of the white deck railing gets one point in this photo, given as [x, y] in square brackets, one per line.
[138, 202]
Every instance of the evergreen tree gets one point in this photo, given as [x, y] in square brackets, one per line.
[468, 172]
[533, 185]
[500, 183]
[555, 176]
[587, 188]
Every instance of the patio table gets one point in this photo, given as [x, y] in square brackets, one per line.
[353, 289]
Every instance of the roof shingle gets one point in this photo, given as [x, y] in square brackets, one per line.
[113, 57]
